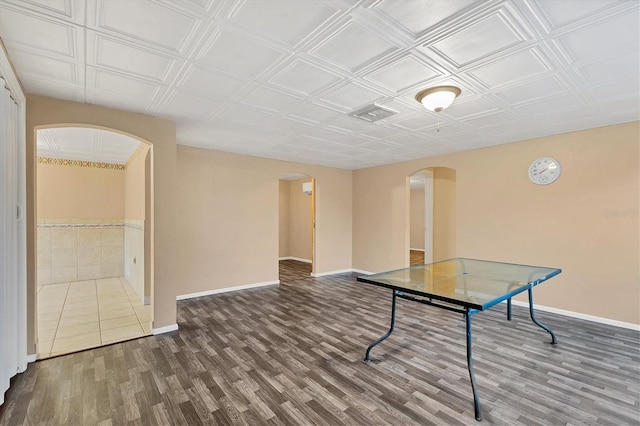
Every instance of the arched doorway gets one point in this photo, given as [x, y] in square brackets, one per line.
[296, 225]
[93, 231]
[432, 215]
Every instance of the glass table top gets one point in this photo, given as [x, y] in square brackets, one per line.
[477, 284]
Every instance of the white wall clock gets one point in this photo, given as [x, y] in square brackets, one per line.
[544, 170]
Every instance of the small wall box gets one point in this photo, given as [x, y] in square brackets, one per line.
[307, 188]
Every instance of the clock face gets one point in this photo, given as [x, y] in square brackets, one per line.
[544, 171]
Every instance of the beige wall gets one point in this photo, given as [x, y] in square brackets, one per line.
[416, 238]
[45, 112]
[585, 223]
[134, 184]
[72, 192]
[444, 213]
[283, 212]
[228, 228]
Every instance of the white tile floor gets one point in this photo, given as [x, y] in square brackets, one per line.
[85, 314]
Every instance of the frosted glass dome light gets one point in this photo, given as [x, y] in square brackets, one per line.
[438, 98]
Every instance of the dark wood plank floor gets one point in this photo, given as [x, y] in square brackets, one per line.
[292, 355]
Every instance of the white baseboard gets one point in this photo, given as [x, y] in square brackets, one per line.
[225, 290]
[32, 358]
[299, 259]
[165, 329]
[322, 274]
[592, 318]
[360, 271]
[147, 300]
[422, 250]
[341, 271]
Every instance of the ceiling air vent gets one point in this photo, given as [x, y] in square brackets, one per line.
[372, 113]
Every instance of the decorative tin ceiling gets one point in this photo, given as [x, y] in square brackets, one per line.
[278, 79]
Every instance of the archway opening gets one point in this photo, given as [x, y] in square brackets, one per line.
[94, 235]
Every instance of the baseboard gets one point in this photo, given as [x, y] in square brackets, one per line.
[322, 274]
[579, 315]
[165, 329]
[360, 271]
[341, 271]
[32, 358]
[225, 290]
[412, 249]
[299, 259]
[147, 300]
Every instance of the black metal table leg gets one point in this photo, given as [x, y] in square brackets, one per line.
[538, 323]
[474, 387]
[509, 309]
[393, 323]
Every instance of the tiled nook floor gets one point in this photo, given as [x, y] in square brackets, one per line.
[85, 314]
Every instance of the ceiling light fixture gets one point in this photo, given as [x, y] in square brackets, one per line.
[438, 98]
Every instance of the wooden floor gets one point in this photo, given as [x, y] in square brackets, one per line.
[292, 355]
[416, 257]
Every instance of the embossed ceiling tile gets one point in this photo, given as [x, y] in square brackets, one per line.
[379, 147]
[116, 144]
[404, 73]
[201, 80]
[417, 121]
[38, 86]
[400, 107]
[628, 88]
[351, 140]
[466, 108]
[270, 100]
[594, 41]
[351, 96]
[246, 116]
[581, 114]
[285, 125]
[479, 39]
[288, 21]
[111, 100]
[126, 57]
[314, 113]
[182, 104]
[348, 123]
[236, 54]
[614, 68]
[38, 66]
[304, 78]
[121, 84]
[323, 134]
[380, 131]
[353, 46]
[555, 103]
[520, 66]
[532, 90]
[511, 127]
[250, 116]
[162, 25]
[45, 35]
[489, 120]
[560, 13]
[68, 10]
[419, 16]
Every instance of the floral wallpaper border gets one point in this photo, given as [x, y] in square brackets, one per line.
[79, 163]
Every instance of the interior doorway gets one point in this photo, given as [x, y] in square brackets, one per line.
[297, 223]
[432, 215]
[93, 233]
